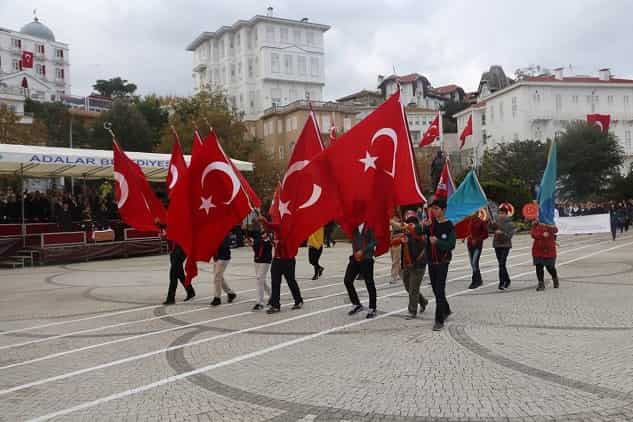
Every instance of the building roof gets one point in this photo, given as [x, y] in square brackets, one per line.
[310, 105]
[255, 19]
[447, 89]
[576, 79]
[38, 30]
[360, 93]
[411, 77]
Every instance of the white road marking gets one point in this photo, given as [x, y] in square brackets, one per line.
[270, 349]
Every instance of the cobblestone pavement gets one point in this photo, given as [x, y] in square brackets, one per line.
[89, 342]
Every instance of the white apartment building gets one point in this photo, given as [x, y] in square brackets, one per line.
[415, 89]
[49, 77]
[539, 107]
[261, 62]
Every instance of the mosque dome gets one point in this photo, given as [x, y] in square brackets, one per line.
[38, 29]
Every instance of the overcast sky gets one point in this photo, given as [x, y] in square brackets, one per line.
[449, 42]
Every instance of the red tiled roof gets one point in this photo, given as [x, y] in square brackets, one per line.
[578, 79]
[405, 78]
[446, 89]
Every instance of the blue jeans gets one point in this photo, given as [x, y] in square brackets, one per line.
[475, 254]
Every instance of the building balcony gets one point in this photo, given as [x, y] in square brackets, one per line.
[316, 106]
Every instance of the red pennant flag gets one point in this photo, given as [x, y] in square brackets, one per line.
[27, 60]
[445, 186]
[431, 133]
[601, 120]
[217, 200]
[179, 212]
[308, 196]
[468, 131]
[374, 168]
[138, 205]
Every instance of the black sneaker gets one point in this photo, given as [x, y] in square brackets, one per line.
[216, 301]
[273, 310]
[475, 285]
[232, 297]
[258, 307]
[315, 276]
[501, 286]
[371, 314]
[356, 309]
[297, 305]
[169, 302]
[423, 304]
[409, 317]
[438, 326]
[321, 269]
[190, 295]
[505, 286]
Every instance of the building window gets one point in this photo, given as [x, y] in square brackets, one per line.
[40, 49]
[536, 97]
[314, 66]
[17, 66]
[232, 72]
[250, 68]
[275, 96]
[483, 118]
[251, 99]
[610, 99]
[559, 103]
[501, 111]
[514, 107]
[288, 65]
[239, 70]
[238, 41]
[294, 123]
[59, 73]
[282, 150]
[16, 43]
[274, 63]
[283, 34]
[40, 69]
[292, 95]
[574, 99]
[301, 65]
[297, 36]
[492, 114]
[626, 99]
[280, 126]
[270, 33]
[310, 37]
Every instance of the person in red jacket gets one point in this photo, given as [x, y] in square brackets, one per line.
[478, 230]
[544, 253]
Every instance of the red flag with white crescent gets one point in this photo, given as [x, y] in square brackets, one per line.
[179, 212]
[468, 131]
[601, 120]
[431, 133]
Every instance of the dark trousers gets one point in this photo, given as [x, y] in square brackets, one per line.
[314, 255]
[502, 259]
[475, 255]
[540, 273]
[177, 273]
[366, 269]
[283, 267]
[437, 274]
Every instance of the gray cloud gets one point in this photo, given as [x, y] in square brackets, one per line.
[449, 42]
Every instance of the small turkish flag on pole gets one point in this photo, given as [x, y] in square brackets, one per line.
[468, 131]
[445, 186]
[601, 120]
[431, 133]
[179, 212]
[27, 60]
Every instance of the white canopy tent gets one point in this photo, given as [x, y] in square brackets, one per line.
[36, 161]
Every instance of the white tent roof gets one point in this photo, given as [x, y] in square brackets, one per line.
[38, 161]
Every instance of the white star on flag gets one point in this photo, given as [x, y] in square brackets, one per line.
[206, 204]
[369, 161]
[283, 209]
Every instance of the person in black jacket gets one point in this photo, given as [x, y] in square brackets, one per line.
[220, 262]
[263, 256]
[176, 273]
[362, 262]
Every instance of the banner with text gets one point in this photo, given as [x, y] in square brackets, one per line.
[584, 224]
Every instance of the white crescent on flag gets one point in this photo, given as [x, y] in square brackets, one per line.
[294, 167]
[599, 124]
[385, 131]
[228, 170]
[316, 194]
[174, 176]
[123, 189]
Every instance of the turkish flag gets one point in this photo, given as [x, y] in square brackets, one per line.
[308, 197]
[138, 205]
[468, 131]
[445, 186]
[197, 143]
[601, 120]
[179, 212]
[374, 168]
[218, 202]
[27, 60]
[431, 133]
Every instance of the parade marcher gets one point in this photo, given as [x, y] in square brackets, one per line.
[544, 253]
[283, 264]
[262, 247]
[362, 262]
[220, 262]
[329, 230]
[502, 242]
[396, 248]
[177, 258]
[315, 249]
[478, 230]
[613, 216]
[413, 261]
[440, 243]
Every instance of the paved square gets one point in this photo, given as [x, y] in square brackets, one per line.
[90, 342]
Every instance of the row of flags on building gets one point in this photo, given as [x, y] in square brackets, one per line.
[361, 178]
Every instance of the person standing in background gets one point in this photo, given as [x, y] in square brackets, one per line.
[502, 242]
[478, 230]
[315, 249]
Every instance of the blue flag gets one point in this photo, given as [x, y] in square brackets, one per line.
[547, 192]
[466, 200]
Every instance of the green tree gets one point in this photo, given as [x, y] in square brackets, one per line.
[154, 111]
[12, 131]
[114, 87]
[588, 160]
[129, 125]
[449, 123]
[622, 186]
